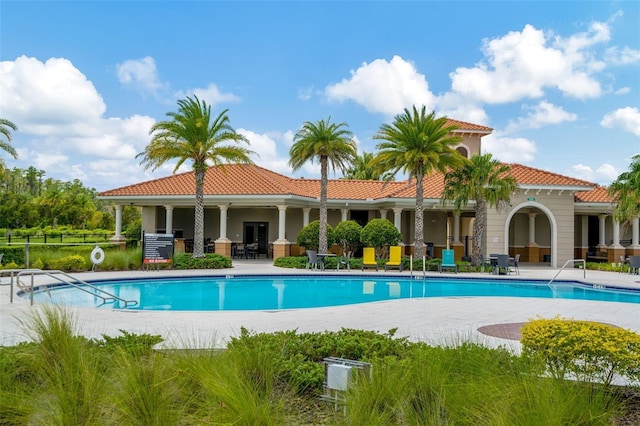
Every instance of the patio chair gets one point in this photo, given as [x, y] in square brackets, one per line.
[369, 258]
[623, 262]
[395, 258]
[484, 262]
[344, 261]
[634, 265]
[514, 264]
[312, 259]
[447, 261]
[502, 264]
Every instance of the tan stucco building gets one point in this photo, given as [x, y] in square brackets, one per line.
[551, 218]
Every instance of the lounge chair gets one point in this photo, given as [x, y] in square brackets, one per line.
[634, 265]
[312, 259]
[447, 261]
[369, 258]
[395, 258]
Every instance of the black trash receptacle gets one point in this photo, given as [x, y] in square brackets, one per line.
[546, 258]
[429, 249]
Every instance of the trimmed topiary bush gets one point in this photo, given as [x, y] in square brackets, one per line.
[380, 233]
[347, 234]
[309, 236]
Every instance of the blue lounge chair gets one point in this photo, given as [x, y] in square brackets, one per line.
[447, 261]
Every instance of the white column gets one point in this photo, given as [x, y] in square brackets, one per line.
[456, 227]
[532, 228]
[397, 216]
[305, 215]
[168, 219]
[118, 221]
[224, 208]
[601, 241]
[344, 213]
[383, 213]
[282, 222]
[616, 234]
[585, 231]
[635, 231]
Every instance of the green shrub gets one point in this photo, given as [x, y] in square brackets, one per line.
[294, 262]
[134, 344]
[591, 351]
[73, 263]
[12, 254]
[380, 233]
[309, 236]
[210, 261]
[347, 234]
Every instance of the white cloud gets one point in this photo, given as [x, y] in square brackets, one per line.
[523, 64]
[624, 56]
[212, 95]
[509, 150]
[141, 74]
[266, 146]
[384, 87]
[603, 174]
[61, 125]
[304, 93]
[608, 172]
[41, 98]
[627, 119]
[543, 114]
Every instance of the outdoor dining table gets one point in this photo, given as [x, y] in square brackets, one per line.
[494, 263]
[322, 257]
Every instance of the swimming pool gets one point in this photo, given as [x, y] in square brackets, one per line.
[233, 293]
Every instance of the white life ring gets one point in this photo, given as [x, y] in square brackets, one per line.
[97, 256]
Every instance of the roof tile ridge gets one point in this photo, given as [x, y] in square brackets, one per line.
[549, 172]
[268, 174]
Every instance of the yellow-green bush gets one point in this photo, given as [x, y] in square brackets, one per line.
[590, 351]
[73, 263]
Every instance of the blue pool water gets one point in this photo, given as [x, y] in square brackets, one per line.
[216, 293]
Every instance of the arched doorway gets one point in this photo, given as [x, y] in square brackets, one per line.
[524, 219]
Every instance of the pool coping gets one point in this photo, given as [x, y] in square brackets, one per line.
[434, 320]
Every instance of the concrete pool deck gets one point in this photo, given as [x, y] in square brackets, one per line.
[447, 320]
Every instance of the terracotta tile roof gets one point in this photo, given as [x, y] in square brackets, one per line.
[232, 179]
[597, 195]
[526, 175]
[463, 125]
[238, 179]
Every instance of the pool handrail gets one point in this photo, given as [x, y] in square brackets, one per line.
[584, 268]
[71, 281]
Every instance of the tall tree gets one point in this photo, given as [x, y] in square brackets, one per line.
[485, 180]
[192, 134]
[362, 170]
[6, 127]
[417, 144]
[331, 144]
[625, 191]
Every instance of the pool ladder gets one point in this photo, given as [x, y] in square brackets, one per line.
[573, 261]
[63, 277]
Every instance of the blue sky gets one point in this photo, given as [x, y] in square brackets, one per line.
[559, 82]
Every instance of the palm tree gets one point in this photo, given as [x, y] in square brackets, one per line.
[329, 144]
[362, 170]
[5, 130]
[485, 180]
[193, 135]
[418, 144]
[625, 191]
